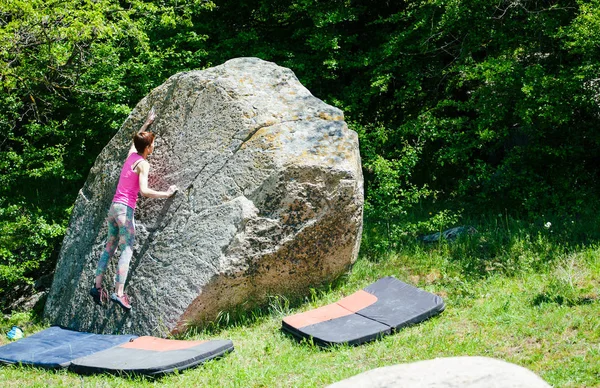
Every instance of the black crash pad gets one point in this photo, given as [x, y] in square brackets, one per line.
[379, 309]
[151, 356]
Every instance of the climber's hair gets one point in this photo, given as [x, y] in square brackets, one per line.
[142, 140]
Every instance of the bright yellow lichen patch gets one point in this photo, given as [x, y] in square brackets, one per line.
[326, 116]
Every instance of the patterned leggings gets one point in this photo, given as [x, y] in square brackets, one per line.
[121, 228]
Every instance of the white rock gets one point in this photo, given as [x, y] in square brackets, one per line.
[270, 202]
[452, 372]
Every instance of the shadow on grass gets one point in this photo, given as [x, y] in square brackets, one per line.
[254, 312]
[544, 297]
[501, 243]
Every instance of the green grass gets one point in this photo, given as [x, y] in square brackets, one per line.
[515, 291]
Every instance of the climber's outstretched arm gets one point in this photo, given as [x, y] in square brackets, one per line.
[149, 120]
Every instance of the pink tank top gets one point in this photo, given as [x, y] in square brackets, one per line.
[129, 183]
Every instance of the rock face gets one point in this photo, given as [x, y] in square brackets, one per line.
[270, 203]
[471, 372]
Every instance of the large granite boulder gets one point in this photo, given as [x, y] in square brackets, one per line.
[451, 372]
[270, 203]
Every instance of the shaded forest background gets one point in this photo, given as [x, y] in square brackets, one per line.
[461, 106]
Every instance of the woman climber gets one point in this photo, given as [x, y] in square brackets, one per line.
[121, 226]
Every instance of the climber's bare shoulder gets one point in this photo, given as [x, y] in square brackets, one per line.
[143, 168]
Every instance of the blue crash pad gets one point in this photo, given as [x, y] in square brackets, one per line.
[56, 347]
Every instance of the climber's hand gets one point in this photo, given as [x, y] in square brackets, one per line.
[172, 190]
[151, 116]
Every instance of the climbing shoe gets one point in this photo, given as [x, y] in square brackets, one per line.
[99, 294]
[122, 301]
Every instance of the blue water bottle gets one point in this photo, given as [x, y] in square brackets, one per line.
[15, 333]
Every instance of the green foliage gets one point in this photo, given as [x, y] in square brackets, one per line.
[27, 242]
[495, 124]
